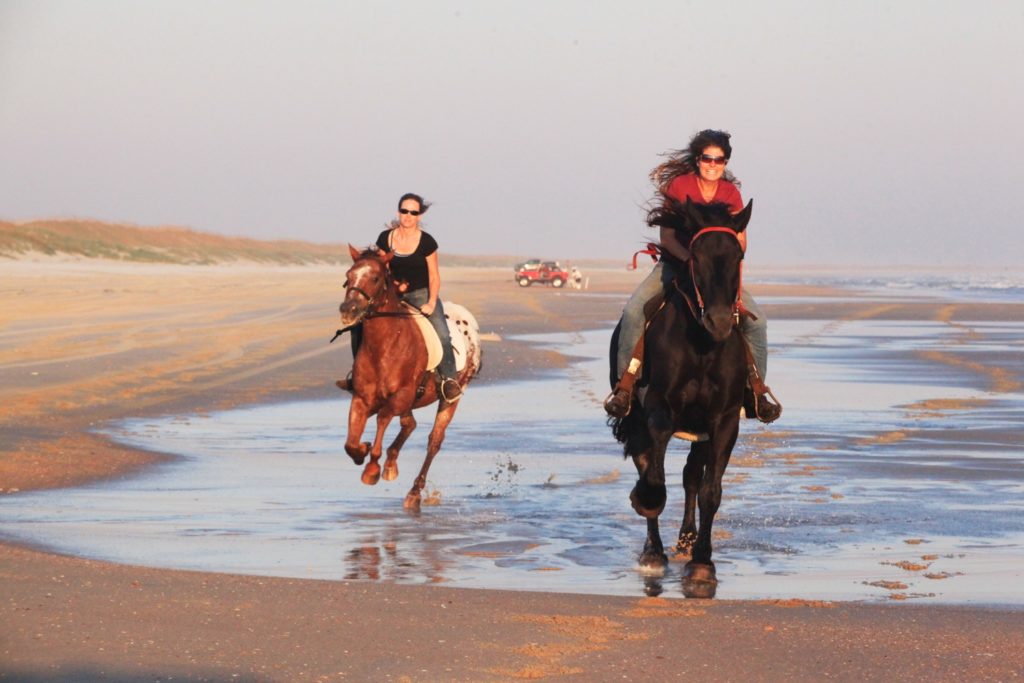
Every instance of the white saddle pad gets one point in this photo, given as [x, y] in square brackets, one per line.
[461, 324]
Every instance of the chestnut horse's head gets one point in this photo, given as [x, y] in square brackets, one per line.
[716, 258]
[368, 283]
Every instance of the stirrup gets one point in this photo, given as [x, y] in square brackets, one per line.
[444, 395]
[767, 410]
[346, 384]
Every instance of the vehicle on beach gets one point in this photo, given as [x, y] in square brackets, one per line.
[544, 272]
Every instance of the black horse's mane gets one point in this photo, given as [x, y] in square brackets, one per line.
[675, 215]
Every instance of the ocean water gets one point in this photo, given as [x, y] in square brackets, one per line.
[968, 284]
[890, 476]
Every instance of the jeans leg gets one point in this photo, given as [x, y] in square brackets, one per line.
[356, 338]
[419, 297]
[633, 320]
[756, 332]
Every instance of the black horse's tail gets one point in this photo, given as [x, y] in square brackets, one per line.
[631, 430]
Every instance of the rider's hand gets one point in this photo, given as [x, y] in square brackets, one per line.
[427, 308]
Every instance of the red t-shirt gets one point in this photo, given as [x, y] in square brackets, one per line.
[684, 186]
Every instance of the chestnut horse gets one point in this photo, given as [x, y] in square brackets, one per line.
[695, 372]
[389, 371]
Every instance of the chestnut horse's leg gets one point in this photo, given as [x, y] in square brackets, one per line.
[408, 423]
[358, 413]
[372, 471]
[445, 412]
[692, 473]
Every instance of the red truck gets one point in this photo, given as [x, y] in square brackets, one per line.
[545, 272]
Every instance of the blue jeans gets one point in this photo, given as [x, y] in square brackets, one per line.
[633, 321]
[419, 297]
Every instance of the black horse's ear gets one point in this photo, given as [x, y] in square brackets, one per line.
[696, 218]
[743, 217]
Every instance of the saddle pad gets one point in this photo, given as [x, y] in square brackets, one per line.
[459, 321]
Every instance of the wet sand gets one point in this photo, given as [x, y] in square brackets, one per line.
[82, 344]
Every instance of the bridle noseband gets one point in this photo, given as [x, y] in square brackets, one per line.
[369, 299]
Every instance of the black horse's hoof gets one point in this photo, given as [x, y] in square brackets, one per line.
[699, 580]
[651, 559]
[648, 501]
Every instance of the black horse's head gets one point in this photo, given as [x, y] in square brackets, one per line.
[713, 271]
[367, 284]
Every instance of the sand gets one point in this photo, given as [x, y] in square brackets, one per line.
[82, 343]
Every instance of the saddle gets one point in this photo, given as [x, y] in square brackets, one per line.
[757, 390]
[458, 319]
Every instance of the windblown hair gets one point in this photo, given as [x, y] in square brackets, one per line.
[424, 205]
[684, 161]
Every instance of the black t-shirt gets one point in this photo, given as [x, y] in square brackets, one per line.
[411, 268]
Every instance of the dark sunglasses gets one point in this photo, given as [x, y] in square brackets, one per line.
[410, 212]
[714, 161]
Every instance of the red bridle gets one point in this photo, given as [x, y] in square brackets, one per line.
[698, 311]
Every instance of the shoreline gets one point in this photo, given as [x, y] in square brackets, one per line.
[60, 610]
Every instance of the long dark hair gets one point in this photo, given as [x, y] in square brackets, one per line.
[419, 200]
[684, 161]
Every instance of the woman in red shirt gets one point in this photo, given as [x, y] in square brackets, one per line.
[697, 173]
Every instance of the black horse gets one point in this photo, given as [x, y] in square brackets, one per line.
[695, 373]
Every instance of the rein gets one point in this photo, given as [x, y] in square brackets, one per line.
[371, 301]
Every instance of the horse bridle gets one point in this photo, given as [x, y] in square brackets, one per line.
[371, 300]
[698, 309]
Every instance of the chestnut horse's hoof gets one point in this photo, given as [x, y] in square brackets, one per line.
[390, 470]
[648, 501]
[371, 474]
[358, 454]
[412, 502]
[699, 580]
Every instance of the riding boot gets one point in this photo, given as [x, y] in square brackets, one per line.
[620, 401]
[346, 384]
[756, 401]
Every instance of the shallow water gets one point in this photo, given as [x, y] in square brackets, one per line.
[853, 490]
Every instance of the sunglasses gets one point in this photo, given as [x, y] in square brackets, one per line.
[714, 161]
[410, 212]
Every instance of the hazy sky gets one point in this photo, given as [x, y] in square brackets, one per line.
[866, 132]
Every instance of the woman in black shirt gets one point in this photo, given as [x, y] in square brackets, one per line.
[414, 265]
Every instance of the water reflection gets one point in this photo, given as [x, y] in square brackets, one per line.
[530, 492]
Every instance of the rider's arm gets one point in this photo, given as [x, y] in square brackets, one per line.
[671, 244]
[435, 284]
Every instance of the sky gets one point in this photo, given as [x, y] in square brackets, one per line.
[868, 133]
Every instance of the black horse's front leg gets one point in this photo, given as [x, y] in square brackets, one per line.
[649, 495]
[692, 474]
[653, 555]
[709, 494]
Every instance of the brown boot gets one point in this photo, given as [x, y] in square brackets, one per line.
[618, 402]
[761, 406]
[346, 384]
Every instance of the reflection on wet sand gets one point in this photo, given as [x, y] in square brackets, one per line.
[879, 455]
